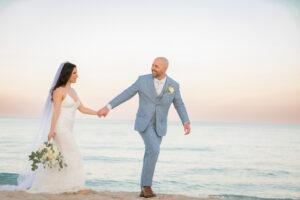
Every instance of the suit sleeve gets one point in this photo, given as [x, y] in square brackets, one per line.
[180, 107]
[125, 95]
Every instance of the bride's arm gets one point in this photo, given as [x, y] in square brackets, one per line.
[57, 99]
[83, 109]
[86, 110]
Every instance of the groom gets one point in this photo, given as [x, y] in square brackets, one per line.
[157, 92]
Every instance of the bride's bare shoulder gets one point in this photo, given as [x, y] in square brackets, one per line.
[59, 91]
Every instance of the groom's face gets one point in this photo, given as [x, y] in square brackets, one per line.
[159, 68]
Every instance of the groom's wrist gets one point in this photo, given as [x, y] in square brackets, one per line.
[108, 106]
[187, 122]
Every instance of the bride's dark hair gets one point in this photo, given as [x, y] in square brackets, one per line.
[64, 76]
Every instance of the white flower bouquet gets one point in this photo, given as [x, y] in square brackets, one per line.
[49, 156]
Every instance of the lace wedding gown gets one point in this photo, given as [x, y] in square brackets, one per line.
[70, 178]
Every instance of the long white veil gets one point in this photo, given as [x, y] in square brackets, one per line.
[26, 177]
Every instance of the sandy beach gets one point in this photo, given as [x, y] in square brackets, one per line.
[91, 196]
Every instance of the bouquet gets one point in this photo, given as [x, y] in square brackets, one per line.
[49, 156]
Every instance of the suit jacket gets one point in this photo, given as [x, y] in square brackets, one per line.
[151, 104]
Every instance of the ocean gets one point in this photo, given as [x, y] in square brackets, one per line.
[230, 161]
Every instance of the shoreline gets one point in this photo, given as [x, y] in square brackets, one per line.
[94, 195]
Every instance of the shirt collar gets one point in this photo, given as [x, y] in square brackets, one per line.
[162, 81]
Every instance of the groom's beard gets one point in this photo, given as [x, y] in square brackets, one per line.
[154, 74]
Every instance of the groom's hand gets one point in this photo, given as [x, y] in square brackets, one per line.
[103, 112]
[187, 128]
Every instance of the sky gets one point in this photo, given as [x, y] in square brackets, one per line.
[235, 61]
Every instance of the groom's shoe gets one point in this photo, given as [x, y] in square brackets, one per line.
[147, 192]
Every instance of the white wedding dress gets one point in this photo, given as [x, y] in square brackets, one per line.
[70, 178]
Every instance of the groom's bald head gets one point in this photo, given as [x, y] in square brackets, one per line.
[159, 67]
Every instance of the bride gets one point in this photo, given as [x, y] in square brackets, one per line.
[57, 123]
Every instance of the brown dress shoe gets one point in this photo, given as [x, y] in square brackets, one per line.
[147, 192]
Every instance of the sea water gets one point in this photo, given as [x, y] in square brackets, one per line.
[231, 161]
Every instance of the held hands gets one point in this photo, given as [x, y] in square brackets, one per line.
[103, 112]
[187, 128]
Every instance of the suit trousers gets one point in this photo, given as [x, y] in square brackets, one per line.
[152, 143]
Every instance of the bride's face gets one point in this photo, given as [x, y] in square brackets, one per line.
[74, 76]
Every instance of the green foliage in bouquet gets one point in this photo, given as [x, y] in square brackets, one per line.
[48, 155]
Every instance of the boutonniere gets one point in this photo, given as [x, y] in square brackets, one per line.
[170, 90]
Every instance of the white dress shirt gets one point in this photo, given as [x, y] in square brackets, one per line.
[158, 84]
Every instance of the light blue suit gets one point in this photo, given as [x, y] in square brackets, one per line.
[151, 118]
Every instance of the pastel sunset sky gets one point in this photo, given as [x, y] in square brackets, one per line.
[236, 61]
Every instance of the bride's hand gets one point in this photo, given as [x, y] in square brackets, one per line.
[51, 135]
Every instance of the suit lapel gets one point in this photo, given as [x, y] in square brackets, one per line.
[164, 89]
[152, 87]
